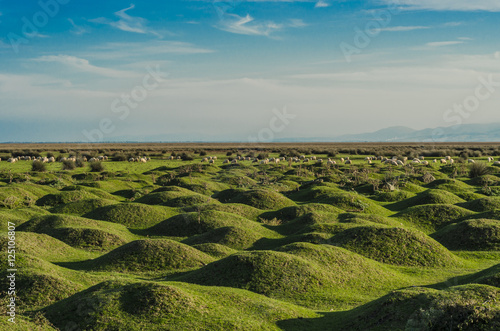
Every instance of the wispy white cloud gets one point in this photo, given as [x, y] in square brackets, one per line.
[297, 23]
[403, 28]
[127, 23]
[36, 35]
[247, 26]
[452, 24]
[321, 4]
[78, 30]
[447, 5]
[82, 65]
[134, 51]
[444, 43]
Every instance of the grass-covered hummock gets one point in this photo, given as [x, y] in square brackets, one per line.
[150, 255]
[430, 218]
[260, 198]
[132, 215]
[477, 234]
[80, 232]
[398, 246]
[306, 274]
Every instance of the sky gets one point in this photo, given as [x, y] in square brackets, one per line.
[210, 70]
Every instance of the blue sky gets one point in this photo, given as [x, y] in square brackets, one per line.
[67, 67]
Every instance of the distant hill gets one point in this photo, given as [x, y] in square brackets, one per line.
[457, 133]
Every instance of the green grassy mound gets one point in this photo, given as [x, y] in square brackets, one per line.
[483, 204]
[235, 237]
[215, 250]
[45, 247]
[450, 185]
[305, 223]
[357, 218]
[260, 198]
[396, 246]
[459, 188]
[413, 188]
[23, 323]
[39, 282]
[132, 215]
[174, 196]
[164, 195]
[80, 232]
[150, 255]
[40, 289]
[429, 197]
[52, 200]
[348, 201]
[97, 192]
[352, 202]
[393, 196]
[16, 197]
[18, 216]
[429, 218]
[470, 307]
[490, 276]
[436, 196]
[307, 274]
[492, 215]
[189, 224]
[479, 234]
[485, 179]
[240, 209]
[290, 213]
[123, 305]
[81, 207]
[190, 200]
[203, 185]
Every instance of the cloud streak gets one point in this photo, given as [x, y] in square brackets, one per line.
[78, 30]
[403, 28]
[447, 5]
[444, 43]
[321, 4]
[82, 65]
[127, 23]
[247, 26]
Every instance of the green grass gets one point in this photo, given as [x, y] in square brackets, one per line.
[470, 307]
[132, 215]
[477, 234]
[305, 274]
[430, 218]
[150, 255]
[172, 306]
[483, 204]
[396, 246]
[80, 232]
[261, 198]
[183, 245]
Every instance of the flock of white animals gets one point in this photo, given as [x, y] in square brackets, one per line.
[370, 159]
[53, 159]
[301, 159]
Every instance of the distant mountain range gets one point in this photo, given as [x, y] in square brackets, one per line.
[457, 133]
